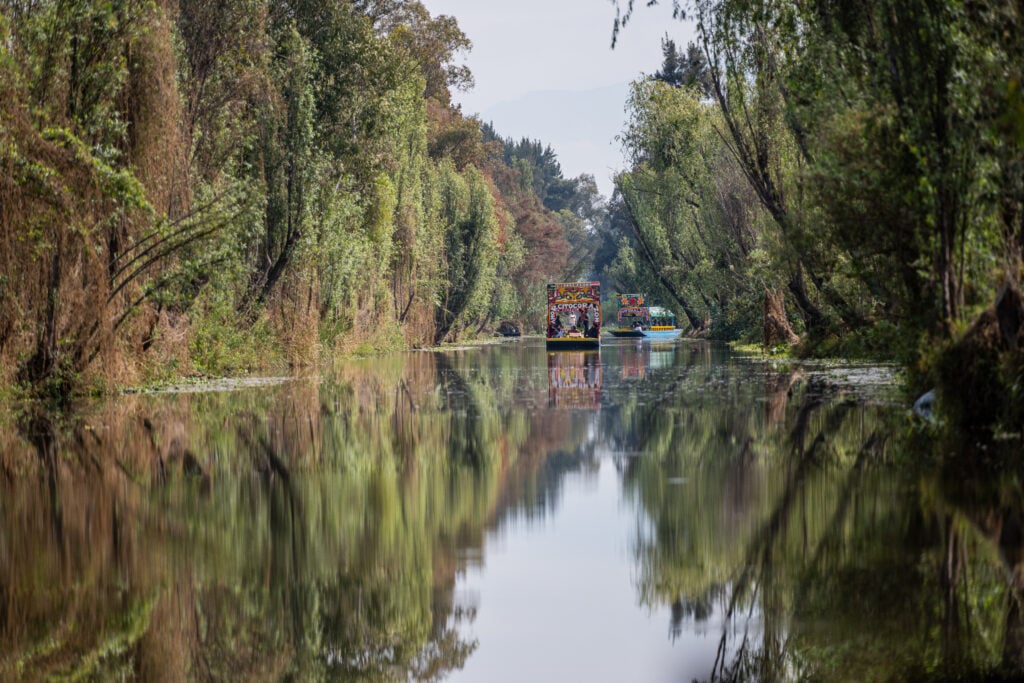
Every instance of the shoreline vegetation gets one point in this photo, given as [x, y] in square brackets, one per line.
[258, 187]
[856, 192]
[200, 191]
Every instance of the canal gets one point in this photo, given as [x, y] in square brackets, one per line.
[662, 512]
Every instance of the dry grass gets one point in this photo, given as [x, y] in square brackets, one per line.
[295, 318]
[158, 150]
[55, 222]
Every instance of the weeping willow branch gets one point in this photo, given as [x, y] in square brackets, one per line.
[160, 257]
[163, 240]
[158, 286]
[156, 233]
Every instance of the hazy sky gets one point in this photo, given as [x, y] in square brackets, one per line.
[545, 69]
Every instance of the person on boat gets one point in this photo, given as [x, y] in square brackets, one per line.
[558, 327]
[585, 323]
[572, 319]
[637, 326]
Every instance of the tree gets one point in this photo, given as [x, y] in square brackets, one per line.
[912, 74]
[689, 69]
[691, 216]
[434, 43]
[287, 147]
[924, 88]
[470, 249]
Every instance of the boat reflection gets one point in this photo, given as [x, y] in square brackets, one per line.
[636, 360]
[574, 379]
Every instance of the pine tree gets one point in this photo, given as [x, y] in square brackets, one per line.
[679, 69]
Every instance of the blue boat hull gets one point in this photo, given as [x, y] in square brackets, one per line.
[662, 334]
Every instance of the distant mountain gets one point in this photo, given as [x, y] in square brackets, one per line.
[579, 125]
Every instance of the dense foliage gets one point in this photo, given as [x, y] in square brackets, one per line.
[194, 187]
[862, 158]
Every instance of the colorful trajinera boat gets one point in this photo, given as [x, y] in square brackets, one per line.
[574, 315]
[663, 324]
[637, 319]
[632, 316]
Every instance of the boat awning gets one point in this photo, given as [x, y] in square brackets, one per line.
[659, 312]
[574, 293]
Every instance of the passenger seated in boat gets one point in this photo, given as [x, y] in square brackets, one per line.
[556, 329]
[637, 326]
[594, 332]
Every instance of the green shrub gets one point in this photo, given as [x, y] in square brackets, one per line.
[223, 345]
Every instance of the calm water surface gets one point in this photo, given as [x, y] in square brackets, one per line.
[646, 513]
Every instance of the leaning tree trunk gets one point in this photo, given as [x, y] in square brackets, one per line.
[814, 319]
[696, 322]
[777, 329]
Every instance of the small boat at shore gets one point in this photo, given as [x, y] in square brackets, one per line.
[574, 315]
[638, 319]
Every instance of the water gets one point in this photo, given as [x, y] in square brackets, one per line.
[657, 513]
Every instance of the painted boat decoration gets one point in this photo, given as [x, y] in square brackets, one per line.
[574, 315]
[632, 316]
[638, 319]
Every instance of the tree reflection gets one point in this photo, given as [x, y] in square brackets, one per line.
[307, 531]
[317, 531]
[821, 556]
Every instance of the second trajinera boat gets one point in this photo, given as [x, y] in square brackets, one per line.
[638, 319]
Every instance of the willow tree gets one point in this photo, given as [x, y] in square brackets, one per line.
[470, 249]
[89, 222]
[911, 105]
[905, 117]
[691, 222]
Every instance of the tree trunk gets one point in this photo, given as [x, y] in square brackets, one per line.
[777, 329]
[947, 268]
[814, 319]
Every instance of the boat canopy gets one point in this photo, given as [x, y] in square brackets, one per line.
[659, 312]
[577, 293]
[662, 316]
